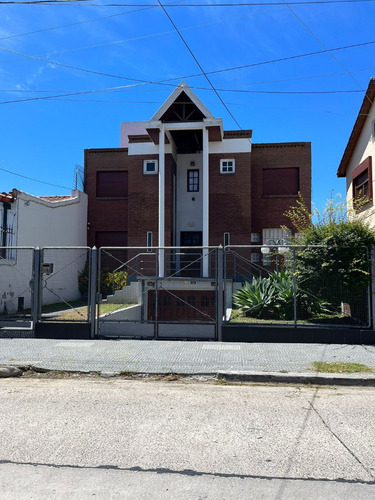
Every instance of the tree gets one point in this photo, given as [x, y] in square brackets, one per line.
[334, 261]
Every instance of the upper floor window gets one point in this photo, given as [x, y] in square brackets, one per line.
[193, 180]
[361, 177]
[227, 166]
[150, 166]
[111, 184]
[280, 181]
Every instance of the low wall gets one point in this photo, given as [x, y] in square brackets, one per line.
[302, 335]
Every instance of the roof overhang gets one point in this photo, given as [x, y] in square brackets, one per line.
[357, 129]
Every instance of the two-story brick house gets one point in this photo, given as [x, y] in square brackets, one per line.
[180, 179]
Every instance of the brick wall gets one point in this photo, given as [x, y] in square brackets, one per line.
[230, 200]
[104, 214]
[237, 202]
[268, 210]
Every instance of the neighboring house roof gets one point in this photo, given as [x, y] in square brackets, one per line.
[368, 101]
[7, 197]
[54, 199]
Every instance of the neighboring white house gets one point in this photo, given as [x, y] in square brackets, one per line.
[358, 161]
[40, 221]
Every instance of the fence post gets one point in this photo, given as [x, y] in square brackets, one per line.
[294, 288]
[36, 286]
[220, 293]
[372, 310]
[93, 259]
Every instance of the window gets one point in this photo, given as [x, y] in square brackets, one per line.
[255, 257]
[150, 166]
[193, 180]
[255, 237]
[111, 184]
[280, 181]
[360, 185]
[226, 239]
[227, 166]
[362, 182]
[272, 235]
[149, 241]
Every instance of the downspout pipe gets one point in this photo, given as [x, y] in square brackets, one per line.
[6, 207]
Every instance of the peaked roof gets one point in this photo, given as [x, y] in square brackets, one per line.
[182, 88]
[368, 101]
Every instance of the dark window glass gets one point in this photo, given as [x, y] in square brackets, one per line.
[193, 180]
[280, 181]
[111, 184]
[360, 185]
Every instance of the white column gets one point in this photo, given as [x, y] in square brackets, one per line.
[206, 200]
[161, 240]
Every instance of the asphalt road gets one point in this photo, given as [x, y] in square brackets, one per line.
[110, 438]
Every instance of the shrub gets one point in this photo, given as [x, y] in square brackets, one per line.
[109, 281]
[273, 298]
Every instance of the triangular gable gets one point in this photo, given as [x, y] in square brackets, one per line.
[182, 105]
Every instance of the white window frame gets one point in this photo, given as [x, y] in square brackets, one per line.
[227, 169]
[145, 164]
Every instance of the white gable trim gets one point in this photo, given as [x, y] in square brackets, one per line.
[178, 90]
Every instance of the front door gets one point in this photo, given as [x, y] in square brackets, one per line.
[191, 258]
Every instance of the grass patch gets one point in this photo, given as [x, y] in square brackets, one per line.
[80, 313]
[340, 367]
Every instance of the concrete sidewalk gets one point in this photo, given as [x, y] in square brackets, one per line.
[240, 361]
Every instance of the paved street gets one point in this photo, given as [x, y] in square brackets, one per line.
[181, 357]
[111, 438]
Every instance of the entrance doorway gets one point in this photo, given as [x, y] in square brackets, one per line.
[191, 259]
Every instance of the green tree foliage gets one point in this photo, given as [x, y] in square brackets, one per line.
[109, 281]
[338, 268]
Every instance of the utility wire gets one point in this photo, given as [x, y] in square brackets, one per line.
[207, 5]
[32, 179]
[79, 22]
[324, 47]
[199, 65]
[166, 81]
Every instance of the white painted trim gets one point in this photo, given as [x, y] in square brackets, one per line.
[206, 200]
[228, 146]
[161, 235]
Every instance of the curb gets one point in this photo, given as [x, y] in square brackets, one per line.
[10, 371]
[324, 379]
[299, 378]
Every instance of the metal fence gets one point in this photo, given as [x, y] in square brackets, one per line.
[285, 284]
[184, 292]
[169, 292]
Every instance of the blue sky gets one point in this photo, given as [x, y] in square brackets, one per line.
[90, 49]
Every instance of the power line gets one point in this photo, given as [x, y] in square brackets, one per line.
[324, 47]
[32, 179]
[79, 22]
[207, 5]
[166, 81]
[199, 66]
